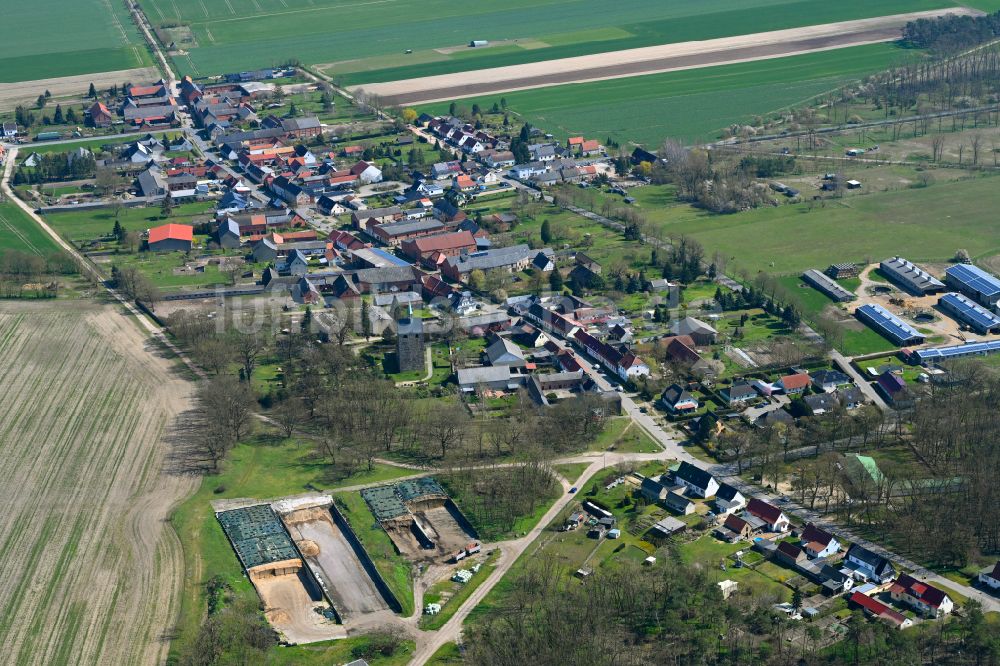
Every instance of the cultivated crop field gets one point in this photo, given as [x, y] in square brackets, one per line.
[691, 105]
[57, 38]
[19, 232]
[235, 35]
[92, 573]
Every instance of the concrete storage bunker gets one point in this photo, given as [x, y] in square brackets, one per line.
[420, 518]
[294, 602]
[336, 557]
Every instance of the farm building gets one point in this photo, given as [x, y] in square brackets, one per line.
[910, 277]
[841, 271]
[827, 285]
[170, 237]
[975, 283]
[957, 351]
[888, 325]
[968, 312]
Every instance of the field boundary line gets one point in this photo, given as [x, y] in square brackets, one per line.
[297, 11]
[21, 236]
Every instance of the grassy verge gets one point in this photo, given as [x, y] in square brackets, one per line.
[571, 471]
[395, 569]
[435, 622]
[338, 652]
[446, 655]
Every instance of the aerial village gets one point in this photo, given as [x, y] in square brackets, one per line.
[458, 258]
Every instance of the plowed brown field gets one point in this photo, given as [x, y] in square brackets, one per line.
[91, 569]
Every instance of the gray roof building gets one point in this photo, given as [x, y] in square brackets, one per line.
[827, 285]
[910, 277]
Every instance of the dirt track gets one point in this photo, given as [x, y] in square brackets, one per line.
[92, 572]
[649, 60]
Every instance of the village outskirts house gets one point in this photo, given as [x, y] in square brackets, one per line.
[729, 500]
[817, 542]
[773, 517]
[679, 504]
[794, 384]
[868, 565]
[698, 482]
[990, 577]
[228, 234]
[678, 400]
[922, 597]
[734, 529]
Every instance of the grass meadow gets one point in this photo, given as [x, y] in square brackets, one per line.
[692, 104]
[233, 36]
[52, 38]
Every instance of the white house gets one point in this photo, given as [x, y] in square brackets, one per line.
[632, 366]
[697, 481]
[869, 566]
[774, 517]
[729, 500]
[922, 597]
[678, 400]
[817, 542]
[990, 577]
[525, 171]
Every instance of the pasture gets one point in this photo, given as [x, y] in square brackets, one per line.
[923, 225]
[234, 36]
[692, 104]
[56, 38]
[92, 573]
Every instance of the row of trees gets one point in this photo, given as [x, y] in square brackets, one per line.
[57, 166]
[29, 274]
[951, 33]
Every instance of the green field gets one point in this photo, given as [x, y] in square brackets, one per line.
[692, 104]
[926, 224]
[234, 36]
[52, 38]
[20, 232]
[86, 225]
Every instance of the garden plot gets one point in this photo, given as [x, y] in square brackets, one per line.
[328, 550]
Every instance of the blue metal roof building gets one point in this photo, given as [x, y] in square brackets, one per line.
[957, 351]
[391, 258]
[975, 283]
[889, 325]
[968, 312]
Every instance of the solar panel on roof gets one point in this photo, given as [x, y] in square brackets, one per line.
[969, 312]
[956, 351]
[975, 279]
[888, 324]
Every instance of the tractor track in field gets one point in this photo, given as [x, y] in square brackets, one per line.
[649, 60]
[92, 570]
